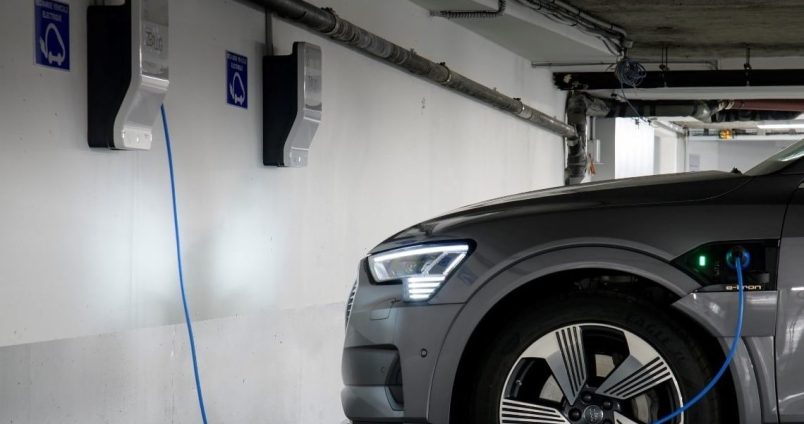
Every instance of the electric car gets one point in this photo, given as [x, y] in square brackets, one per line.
[612, 302]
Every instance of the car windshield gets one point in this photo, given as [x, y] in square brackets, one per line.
[779, 161]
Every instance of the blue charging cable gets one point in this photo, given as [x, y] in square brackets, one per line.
[739, 260]
[181, 270]
[738, 265]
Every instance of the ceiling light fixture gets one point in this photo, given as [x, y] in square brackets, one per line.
[778, 125]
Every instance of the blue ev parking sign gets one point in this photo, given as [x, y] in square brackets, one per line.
[236, 80]
[52, 34]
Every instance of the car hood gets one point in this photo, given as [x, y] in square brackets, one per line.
[690, 186]
[642, 191]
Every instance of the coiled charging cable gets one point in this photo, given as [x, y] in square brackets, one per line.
[741, 260]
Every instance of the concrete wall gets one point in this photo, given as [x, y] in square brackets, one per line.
[90, 329]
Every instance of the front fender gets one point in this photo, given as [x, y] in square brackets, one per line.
[523, 272]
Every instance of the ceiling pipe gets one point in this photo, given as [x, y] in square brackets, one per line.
[327, 23]
[769, 104]
[669, 126]
[699, 110]
[580, 109]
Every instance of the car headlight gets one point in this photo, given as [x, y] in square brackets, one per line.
[421, 269]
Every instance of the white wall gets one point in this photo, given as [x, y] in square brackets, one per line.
[634, 145]
[669, 151]
[88, 288]
[726, 155]
[628, 148]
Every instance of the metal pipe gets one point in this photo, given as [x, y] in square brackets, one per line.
[699, 110]
[679, 130]
[472, 14]
[769, 104]
[326, 22]
[580, 109]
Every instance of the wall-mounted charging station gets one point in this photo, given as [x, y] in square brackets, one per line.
[292, 105]
[127, 48]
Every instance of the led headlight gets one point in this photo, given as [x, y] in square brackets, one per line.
[422, 269]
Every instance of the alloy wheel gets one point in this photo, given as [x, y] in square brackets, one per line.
[589, 373]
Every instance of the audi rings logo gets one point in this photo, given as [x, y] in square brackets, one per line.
[593, 414]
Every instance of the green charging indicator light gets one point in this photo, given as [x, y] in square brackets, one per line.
[702, 260]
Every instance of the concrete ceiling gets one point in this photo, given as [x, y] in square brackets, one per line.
[691, 29]
[706, 29]
[706, 34]
[525, 32]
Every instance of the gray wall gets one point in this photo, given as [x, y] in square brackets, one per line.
[90, 328]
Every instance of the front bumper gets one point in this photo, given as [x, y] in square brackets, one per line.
[390, 353]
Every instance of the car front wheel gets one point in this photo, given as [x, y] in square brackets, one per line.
[589, 359]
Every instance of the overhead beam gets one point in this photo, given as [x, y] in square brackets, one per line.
[683, 79]
[741, 137]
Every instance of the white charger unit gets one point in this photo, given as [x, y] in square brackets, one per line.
[128, 71]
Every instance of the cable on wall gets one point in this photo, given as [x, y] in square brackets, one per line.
[631, 73]
[472, 14]
[613, 37]
[187, 319]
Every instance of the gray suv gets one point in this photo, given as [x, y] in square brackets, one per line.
[611, 302]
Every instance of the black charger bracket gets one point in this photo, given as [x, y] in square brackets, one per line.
[292, 106]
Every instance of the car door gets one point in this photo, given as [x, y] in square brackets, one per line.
[790, 322]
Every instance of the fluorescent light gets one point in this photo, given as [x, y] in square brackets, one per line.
[781, 125]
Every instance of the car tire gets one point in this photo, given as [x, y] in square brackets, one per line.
[495, 366]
